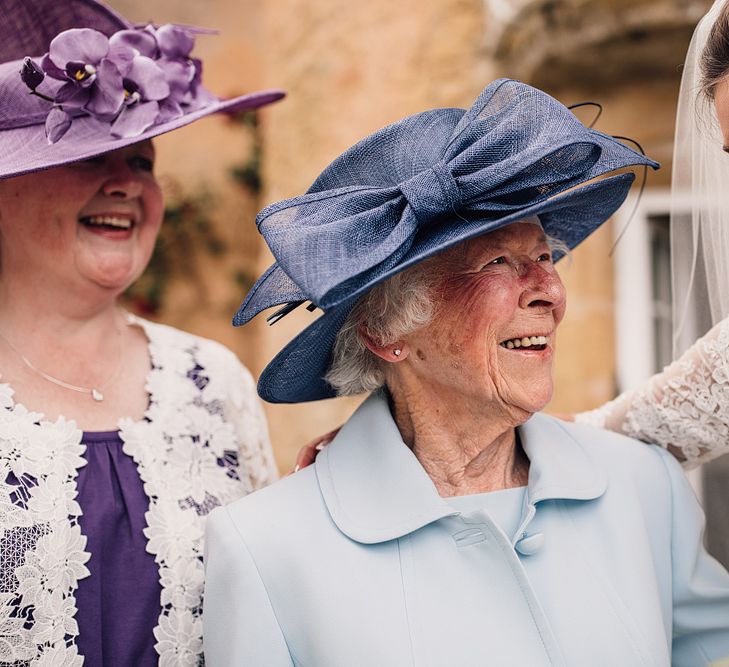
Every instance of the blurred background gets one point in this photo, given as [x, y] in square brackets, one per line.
[352, 67]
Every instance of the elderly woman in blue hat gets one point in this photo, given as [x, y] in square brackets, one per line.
[117, 435]
[449, 523]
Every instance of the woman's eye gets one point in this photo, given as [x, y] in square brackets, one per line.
[545, 257]
[142, 163]
[498, 260]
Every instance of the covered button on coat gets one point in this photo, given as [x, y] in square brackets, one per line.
[357, 561]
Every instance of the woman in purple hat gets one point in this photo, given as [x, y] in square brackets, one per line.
[117, 435]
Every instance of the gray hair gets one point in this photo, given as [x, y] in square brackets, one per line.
[392, 310]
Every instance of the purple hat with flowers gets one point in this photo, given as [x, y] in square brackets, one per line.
[77, 80]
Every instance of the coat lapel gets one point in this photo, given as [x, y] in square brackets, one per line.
[373, 486]
[376, 490]
[559, 466]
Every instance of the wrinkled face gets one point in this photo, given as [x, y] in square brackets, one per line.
[492, 339]
[88, 225]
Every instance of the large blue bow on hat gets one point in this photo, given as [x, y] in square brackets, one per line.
[430, 174]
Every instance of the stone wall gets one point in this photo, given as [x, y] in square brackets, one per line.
[596, 41]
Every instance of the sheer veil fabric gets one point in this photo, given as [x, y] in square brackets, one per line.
[699, 205]
[684, 408]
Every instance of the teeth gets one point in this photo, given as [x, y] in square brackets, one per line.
[111, 221]
[526, 341]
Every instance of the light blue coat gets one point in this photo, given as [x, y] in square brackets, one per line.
[357, 561]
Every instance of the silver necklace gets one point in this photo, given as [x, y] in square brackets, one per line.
[95, 392]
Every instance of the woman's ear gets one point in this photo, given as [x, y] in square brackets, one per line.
[391, 353]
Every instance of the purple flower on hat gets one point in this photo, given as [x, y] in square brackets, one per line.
[145, 85]
[183, 72]
[175, 42]
[142, 40]
[82, 59]
[132, 80]
[31, 74]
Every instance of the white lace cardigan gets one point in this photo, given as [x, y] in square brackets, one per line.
[202, 443]
[685, 408]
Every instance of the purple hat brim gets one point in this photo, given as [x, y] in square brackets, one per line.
[296, 373]
[27, 150]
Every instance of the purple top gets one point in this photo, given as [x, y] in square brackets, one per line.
[119, 603]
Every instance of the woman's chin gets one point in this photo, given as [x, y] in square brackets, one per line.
[117, 287]
[113, 278]
[534, 399]
[110, 271]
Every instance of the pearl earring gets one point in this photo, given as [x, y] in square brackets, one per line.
[397, 351]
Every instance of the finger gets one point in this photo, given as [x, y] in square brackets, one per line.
[306, 455]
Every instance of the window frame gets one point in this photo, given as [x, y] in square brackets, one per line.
[635, 344]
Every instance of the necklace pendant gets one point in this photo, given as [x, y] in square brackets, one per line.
[97, 395]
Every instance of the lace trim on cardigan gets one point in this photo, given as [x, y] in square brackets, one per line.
[42, 550]
[202, 443]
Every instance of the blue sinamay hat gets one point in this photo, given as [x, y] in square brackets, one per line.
[415, 188]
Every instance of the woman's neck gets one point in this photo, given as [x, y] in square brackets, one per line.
[34, 316]
[464, 449]
[84, 344]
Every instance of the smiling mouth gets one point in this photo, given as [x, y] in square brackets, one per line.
[112, 223]
[536, 343]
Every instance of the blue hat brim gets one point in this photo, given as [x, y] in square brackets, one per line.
[296, 374]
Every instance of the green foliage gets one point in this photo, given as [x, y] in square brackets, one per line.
[248, 173]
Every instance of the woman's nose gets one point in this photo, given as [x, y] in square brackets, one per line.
[543, 287]
[122, 182]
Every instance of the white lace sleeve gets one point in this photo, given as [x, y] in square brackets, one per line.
[228, 383]
[685, 408]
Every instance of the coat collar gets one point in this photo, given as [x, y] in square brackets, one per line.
[376, 490]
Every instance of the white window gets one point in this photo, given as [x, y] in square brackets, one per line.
[642, 288]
